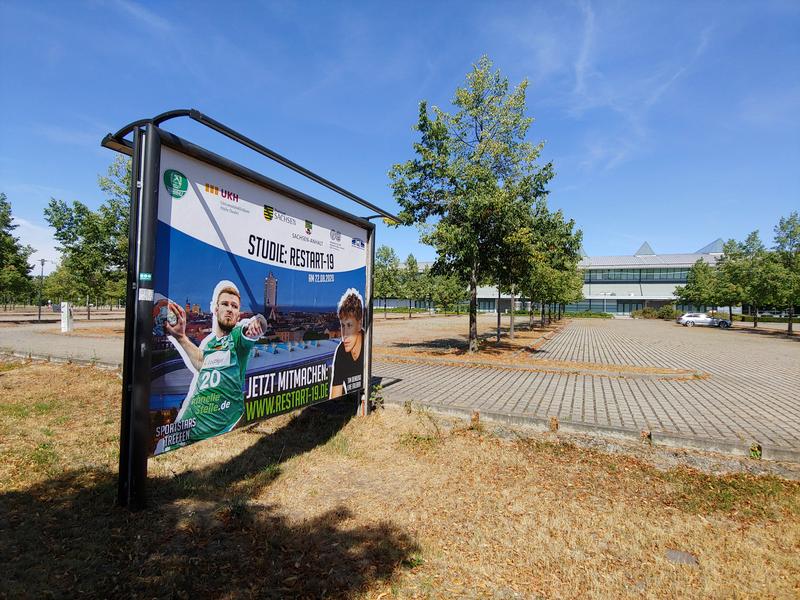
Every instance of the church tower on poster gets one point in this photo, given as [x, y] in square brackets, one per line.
[271, 296]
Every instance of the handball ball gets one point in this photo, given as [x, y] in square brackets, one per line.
[172, 318]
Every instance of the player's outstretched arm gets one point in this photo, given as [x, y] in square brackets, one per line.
[256, 327]
[178, 331]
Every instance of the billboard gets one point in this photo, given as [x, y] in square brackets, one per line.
[258, 303]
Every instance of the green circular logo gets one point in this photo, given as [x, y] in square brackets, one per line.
[176, 183]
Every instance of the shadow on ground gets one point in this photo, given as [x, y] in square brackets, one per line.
[202, 537]
[775, 333]
[489, 345]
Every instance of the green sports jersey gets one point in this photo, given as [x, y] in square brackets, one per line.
[217, 401]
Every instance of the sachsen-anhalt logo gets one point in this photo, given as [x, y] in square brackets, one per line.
[268, 212]
[176, 183]
[309, 226]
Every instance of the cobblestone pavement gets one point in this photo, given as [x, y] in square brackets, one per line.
[751, 392]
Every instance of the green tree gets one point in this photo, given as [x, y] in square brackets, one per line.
[411, 282]
[94, 244]
[458, 186]
[749, 267]
[387, 275]
[447, 291]
[552, 267]
[15, 272]
[115, 210]
[787, 250]
[701, 285]
[730, 278]
[61, 285]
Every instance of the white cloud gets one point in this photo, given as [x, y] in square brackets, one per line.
[583, 63]
[630, 97]
[777, 109]
[34, 193]
[144, 16]
[65, 135]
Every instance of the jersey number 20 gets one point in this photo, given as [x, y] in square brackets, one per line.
[209, 379]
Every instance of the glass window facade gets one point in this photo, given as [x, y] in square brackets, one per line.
[486, 305]
[664, 274]
[605, 305]
[624, 307]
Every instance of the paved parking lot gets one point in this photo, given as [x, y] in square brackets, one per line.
[748, 390]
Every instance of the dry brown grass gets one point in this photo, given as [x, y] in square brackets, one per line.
[400, 504]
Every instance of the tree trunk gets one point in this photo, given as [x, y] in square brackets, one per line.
[755, 317]
[541, 306]
[473, 312]
[88, 309]
[511, 326]
[498, 314]
[789, 324]
[409, 308]
[530, 316]
[730, 314]
[385, 310]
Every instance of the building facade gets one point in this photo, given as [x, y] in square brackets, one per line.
[622, 284]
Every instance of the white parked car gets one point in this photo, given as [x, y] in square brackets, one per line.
[692, 319]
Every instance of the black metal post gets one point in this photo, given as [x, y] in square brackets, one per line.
[139, 320]
[125, 434]
[368, 307]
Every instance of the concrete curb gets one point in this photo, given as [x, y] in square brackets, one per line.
[658, 438]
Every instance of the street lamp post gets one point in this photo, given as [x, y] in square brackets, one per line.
[41, 282]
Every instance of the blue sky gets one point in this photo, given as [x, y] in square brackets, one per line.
[672, 122]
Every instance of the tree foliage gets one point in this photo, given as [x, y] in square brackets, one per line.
[15, 272]
[386, 279]
[787, 251]
[749, 273]
[472, 180]
[94, 244]
[701, 285]
[412, 282]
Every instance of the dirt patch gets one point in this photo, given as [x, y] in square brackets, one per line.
[401, 504]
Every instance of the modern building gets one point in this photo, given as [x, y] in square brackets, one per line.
[621, 284]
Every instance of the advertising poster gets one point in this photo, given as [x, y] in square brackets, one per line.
[259, 304]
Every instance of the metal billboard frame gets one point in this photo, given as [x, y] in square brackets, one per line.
[145, 152]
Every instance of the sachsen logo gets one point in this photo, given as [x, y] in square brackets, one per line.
[272, 212]
[225, 194]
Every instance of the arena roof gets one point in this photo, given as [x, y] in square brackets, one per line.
[646, 257]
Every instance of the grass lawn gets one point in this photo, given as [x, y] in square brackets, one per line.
[401, 504]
